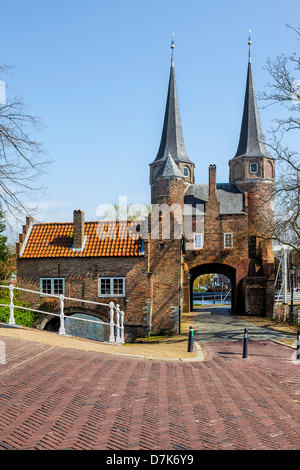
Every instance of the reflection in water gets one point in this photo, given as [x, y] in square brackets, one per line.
[86, 329]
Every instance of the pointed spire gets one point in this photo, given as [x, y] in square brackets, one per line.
[169, 169]
[172, 137]
[252, 142]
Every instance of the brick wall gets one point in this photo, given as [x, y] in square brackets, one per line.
[168, 191]
[165, 255]
[81, 281]
[164, 264]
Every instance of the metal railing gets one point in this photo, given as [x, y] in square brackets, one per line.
[116, 328]
[281, 313]
[217, 297]
[279, 296]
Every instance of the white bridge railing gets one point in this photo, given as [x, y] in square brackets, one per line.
[116, 323]
[282, 312]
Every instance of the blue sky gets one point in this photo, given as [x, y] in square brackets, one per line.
[96, 72]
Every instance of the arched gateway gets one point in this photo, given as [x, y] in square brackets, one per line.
[216, 268]
[232, 237]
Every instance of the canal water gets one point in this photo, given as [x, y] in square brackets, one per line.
[86, 329]
[211, 302]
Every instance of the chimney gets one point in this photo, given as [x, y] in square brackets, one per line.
[212, 180]
[78, 236]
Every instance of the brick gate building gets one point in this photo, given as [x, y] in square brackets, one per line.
[218, 228]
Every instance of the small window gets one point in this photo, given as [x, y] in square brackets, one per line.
[111, 287]
[228, 240]
[52, 285]
[118, 286]
[253, 168]
[185, 171]
[105, 287]
[198, 241]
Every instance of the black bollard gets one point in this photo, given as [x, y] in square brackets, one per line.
[191, 340]
[245, 348]
[298, 346]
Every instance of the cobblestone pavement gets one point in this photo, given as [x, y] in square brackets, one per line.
[216, 324]
[58, 398]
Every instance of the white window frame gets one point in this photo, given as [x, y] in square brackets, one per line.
[254, 163]
[111, 294]
[196, 245]
[52, 279]
[231, 240]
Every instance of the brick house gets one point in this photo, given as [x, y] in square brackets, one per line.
[151, 275]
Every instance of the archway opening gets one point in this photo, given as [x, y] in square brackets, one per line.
[211, 289]
[218, 279]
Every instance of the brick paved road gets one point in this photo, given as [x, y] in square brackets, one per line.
[216, 324]
[57, 398]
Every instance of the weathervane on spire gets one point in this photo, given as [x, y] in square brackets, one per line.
[249, 43]
[172, 43]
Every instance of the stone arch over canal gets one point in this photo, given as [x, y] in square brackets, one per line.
[86, 326]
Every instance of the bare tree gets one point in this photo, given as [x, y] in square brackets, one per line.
[131, 212]
[21, 157]
[284, 90]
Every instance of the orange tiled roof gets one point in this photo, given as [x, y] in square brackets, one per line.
[54, 240]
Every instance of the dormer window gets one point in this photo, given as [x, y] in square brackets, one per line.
[185, 171]
[253, 167]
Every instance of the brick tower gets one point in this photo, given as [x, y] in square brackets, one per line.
[170, 173]
[253, 170]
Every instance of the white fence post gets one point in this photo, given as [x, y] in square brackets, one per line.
[298, 320]
[279, 312]
[284, 314]
[62, 316]
[118, 323]
[11, 306]
[111, 323]
[122, 327]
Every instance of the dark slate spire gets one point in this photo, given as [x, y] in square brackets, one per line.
[252, 142]
[172, 137]
[169, 169]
